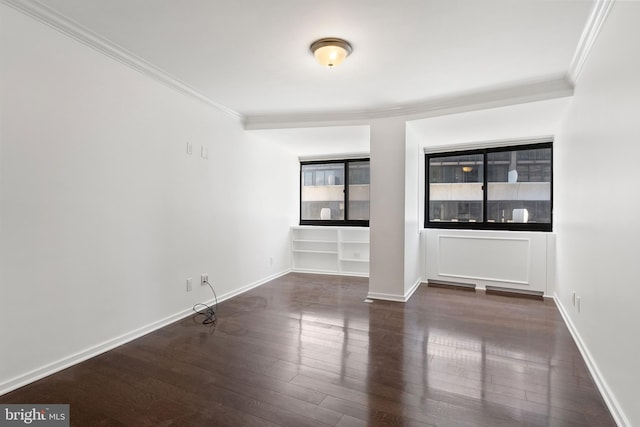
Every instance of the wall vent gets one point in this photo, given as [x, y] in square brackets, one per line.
[451, 285]
[509, 292]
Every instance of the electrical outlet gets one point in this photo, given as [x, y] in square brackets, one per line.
[204, 279]
[189, 148]
[574, 298]
[578, 304]
[189, 287]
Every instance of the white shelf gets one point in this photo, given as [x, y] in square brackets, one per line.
[333, 250]
[314, 270]
[315, 252]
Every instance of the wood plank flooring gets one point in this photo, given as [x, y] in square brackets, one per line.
[305, 350]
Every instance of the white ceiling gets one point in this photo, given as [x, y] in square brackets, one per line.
[252, 56]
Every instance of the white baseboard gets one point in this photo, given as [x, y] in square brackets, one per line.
[394, 297]
[386, 297]
[328, 272]
[607, 394]
[81, 356]
[251, 286]
[413, 288]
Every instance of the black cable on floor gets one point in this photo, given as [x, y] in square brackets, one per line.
[205, 310]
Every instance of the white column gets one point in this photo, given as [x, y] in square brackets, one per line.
[387, 210]
[413, 208]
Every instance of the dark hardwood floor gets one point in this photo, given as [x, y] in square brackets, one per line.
[305, 350]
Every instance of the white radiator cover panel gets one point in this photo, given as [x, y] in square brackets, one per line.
[507, 259]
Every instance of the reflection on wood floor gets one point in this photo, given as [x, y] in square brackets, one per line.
[305, 350]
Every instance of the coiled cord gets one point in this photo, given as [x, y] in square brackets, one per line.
[202, 309]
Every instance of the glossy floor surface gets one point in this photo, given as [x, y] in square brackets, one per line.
[305, 350]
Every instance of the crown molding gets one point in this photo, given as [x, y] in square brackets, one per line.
[494, 143]
[76, 31]
[550, 87]
[544, 88]
[328, 157]
[599, 13]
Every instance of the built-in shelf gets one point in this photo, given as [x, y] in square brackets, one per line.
[314, 252]
[333, 250]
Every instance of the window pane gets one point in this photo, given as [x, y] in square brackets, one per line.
[519, 186]
[322, 195]
[359, 190]
[455, 188]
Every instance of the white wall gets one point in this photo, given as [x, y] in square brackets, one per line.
[520, 121]
[103, 213]
[532, 119]
[508, 259]
[597, 201]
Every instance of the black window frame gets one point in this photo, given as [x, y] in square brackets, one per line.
[333, 222]
[484, 224]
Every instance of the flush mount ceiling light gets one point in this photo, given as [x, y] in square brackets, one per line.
[330, 51]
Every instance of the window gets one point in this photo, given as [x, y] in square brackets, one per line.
[334, 192]
[501, 188]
